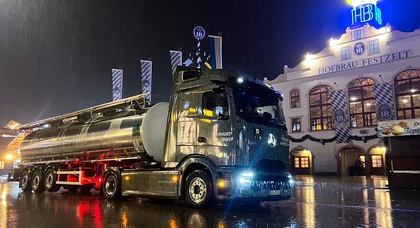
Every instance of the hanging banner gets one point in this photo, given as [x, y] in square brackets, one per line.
[340, 116]
[216, 52]
[176, 59]
[117, 83]
[146, 78]
[384, 101]
[399, 127]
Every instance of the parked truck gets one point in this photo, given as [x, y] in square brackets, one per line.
[221, 137]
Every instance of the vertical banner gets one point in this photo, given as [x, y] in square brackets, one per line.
[176, 59]
[216, 51]
[117, 82]
[146, 78]
[340, 116]
[384, 101]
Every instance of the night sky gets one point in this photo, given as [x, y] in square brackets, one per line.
[56, 55]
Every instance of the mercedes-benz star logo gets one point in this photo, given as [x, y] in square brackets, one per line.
[271, 140]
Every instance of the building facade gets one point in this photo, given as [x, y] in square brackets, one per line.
[334, 99]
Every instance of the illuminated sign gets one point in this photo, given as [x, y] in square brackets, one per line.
[7, 131]
[359, 48]
[365, 62]
[365, 11]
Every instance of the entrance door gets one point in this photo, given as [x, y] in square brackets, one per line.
[301, 165]
[377, 167]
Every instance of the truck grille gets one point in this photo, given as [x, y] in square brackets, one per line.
[266, 185]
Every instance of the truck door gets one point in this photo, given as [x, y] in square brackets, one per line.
[215, 134]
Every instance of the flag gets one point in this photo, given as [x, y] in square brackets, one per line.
[188, 62]
[384, 101]
[216, 52]
[146, 78]
[176, 59]
[340, 116]
[117, 81]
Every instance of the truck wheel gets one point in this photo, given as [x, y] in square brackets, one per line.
[38, 181]
[112, 186]
[50, 181]
[25, 181]
[199, 190]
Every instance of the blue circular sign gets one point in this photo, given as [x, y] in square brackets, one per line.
[199, 32]
[384, 111]
[359, 48]
[339, 116]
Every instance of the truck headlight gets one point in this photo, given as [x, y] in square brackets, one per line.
[246, 177]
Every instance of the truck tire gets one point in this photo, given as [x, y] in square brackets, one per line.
[112, 185]
[38, 181]
[199, 190]
[25, 181]
[50, 180]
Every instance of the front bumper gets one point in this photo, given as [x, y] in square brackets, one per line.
[258, 186]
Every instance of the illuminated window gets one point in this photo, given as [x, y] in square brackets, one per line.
[301, 162]
[294, 99]
[1, 164]
[296, 125]
[373, 46]
[376, 161]
[345, 53]
[362, 103]
[407, 94]
[357, 34]
[320, 108]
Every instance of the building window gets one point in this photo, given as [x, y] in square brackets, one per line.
[320, 108]
[1, 164]
[301, 162]
[376, 161]
[407, 94]
[345, 53]
[362, 103]
[357, 34]
[373, 47]
[294, 99]
[296, 125]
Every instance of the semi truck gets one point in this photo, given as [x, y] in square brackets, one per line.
[203, 146]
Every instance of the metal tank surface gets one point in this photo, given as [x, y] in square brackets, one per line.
[114, 129]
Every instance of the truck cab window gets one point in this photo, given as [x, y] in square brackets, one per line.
[215, 105]
[258, 108]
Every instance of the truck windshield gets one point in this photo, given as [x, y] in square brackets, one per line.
[261, 107]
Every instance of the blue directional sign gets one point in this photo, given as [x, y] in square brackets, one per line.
[199, 32]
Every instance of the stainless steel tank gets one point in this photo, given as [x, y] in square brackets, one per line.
[93, 136]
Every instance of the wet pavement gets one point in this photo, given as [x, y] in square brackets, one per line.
[316, 202]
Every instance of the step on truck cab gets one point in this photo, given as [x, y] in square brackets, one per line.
[221, 137]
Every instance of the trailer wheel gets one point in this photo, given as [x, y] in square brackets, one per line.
[25, 181]
[50, 181]
[199, 190]
[112, 186]
[38, 181]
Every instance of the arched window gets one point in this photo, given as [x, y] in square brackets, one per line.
[320, 108]
[362, 103]
[294, 98]
[407, 94]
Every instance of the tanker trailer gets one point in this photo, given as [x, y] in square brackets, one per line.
[202, 147]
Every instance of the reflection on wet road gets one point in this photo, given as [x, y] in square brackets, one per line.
[316, 202]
